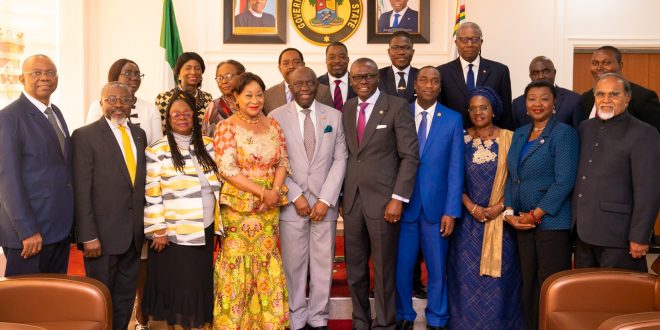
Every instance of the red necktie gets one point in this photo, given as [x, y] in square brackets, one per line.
[362, 121]
[337, 100]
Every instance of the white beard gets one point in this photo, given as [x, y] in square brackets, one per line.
[118, 121]
[605, 115]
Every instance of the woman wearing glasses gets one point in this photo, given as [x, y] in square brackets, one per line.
[143, 114]
[226, 75]
[182, 190]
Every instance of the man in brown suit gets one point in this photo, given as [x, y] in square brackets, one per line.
[382, 164]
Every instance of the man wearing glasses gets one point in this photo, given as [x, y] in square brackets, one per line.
[109, 179]
[36, 193]
[398, 79]
[382, 164]
[469, 70]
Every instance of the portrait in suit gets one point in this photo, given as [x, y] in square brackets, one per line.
[566, 103]
[254, 15]
[337, 79]
[398, 79]
[469, 70]
[428, 219]
[278, 95]
[383, 154]
[36, 193]
[109, 179]
[616, 196]
[316, 148]
[644, 103]
[401, 17]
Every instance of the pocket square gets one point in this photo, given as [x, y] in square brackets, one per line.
[381, 126]
[328, 129]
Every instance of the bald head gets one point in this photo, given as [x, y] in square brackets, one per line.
[39, 77]
[542, 68]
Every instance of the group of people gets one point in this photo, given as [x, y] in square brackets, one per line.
[435, 162]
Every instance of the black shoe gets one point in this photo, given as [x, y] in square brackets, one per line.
[429, 327]
[420, 292]
[323, 327]
[404, 325]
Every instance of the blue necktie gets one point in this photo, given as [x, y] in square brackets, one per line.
[421, 133]
[396, 21]
[470, 78]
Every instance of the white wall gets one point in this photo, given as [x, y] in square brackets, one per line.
[514, 32]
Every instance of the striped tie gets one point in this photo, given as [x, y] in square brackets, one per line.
[128, 153]
[337, 100]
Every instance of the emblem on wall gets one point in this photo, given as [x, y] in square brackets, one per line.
[321, 22]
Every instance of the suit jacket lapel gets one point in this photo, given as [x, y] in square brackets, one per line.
[410, 90]
[377, 114]
[67, 140]
[320, 128]
[390, 87]
[113, 148]
[44, 126]
[293, 124]
[484, 71]
[457, 75]
[436, 125]
[540, 140]
[350, 130]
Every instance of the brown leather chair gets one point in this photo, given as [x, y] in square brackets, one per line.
[587, 298]
[54, 301]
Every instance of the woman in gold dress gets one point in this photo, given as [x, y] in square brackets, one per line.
[250, 288]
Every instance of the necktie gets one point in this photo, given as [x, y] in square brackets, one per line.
[401, 86]
[362, 121]
[421, 132]
[470, 78]
[337, 100]
[56, 128]
[128, 153]
[289, 96]
[396, 21]
[309, 136]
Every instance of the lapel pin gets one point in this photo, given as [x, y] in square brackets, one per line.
[542, 141]
[483, 71]
[438, 114]
[380, 112]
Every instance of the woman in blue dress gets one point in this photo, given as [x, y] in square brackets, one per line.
[483, 273]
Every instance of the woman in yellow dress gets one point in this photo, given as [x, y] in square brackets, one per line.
[250, 288]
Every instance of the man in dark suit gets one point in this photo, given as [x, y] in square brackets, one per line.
[428, 219]
[644, 102]
[336, 59]
[469, 70]
[382, 164]
[109, 178]
[566, 103]
[616, 196]
[398, 79]
[254, 16]
[279, 95]
[36, 195]
[400, 18]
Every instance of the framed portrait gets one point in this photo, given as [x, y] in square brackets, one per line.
[385, 17]
[255, 21]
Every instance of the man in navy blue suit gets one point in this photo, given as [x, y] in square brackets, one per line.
[398, 79]
[36, 195]
[400, 18]
[566, 103]
[469, 70]
[428, 219]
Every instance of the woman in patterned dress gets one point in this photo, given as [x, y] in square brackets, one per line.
[250, 288]
[483, 271]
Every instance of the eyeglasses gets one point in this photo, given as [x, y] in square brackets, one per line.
[300, 84]
[399, 48]
[370, 77]
[38, 74]
[465, 40]
[226, 77]
[131, 74]
[610, 95]
[481, 108]
[113, 99]
[179, 115]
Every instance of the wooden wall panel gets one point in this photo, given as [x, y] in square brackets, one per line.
[642, 68]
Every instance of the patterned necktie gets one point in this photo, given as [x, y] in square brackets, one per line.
[421, 132]
[128, 153]
[470, 78]
[396, 20]
[337, 100]
[289, 96]
[309, 136]
[401, 87]
[56, 128]
[362, 121]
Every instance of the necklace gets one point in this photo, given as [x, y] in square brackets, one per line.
[248, 120]
[487, 136]
[538, 129]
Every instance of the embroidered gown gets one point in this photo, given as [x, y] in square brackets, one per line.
[475, 301]
[250, 287]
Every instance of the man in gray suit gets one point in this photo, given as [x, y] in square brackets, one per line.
[109, 177]
[616, 196]
[279, 95]
[317, 155]
[383, 154]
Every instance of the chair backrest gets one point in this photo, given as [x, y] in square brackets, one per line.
[55, 301]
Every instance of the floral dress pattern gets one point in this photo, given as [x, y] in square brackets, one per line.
[250, 287]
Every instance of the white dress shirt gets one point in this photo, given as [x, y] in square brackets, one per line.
[429, 117]
[397, 77]
[42, 107]
[117, 133]
[475, 68]
[343, 86]
[402, 12]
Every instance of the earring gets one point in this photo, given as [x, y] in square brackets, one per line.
[553, 110]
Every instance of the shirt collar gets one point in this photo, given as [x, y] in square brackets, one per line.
[42, 107]
[464, 63]
[311, 107]
[255, 14]
[402, 12]
[419, 109]
[406, 70]
[343, 78]
[372, 99]
[115, 126]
